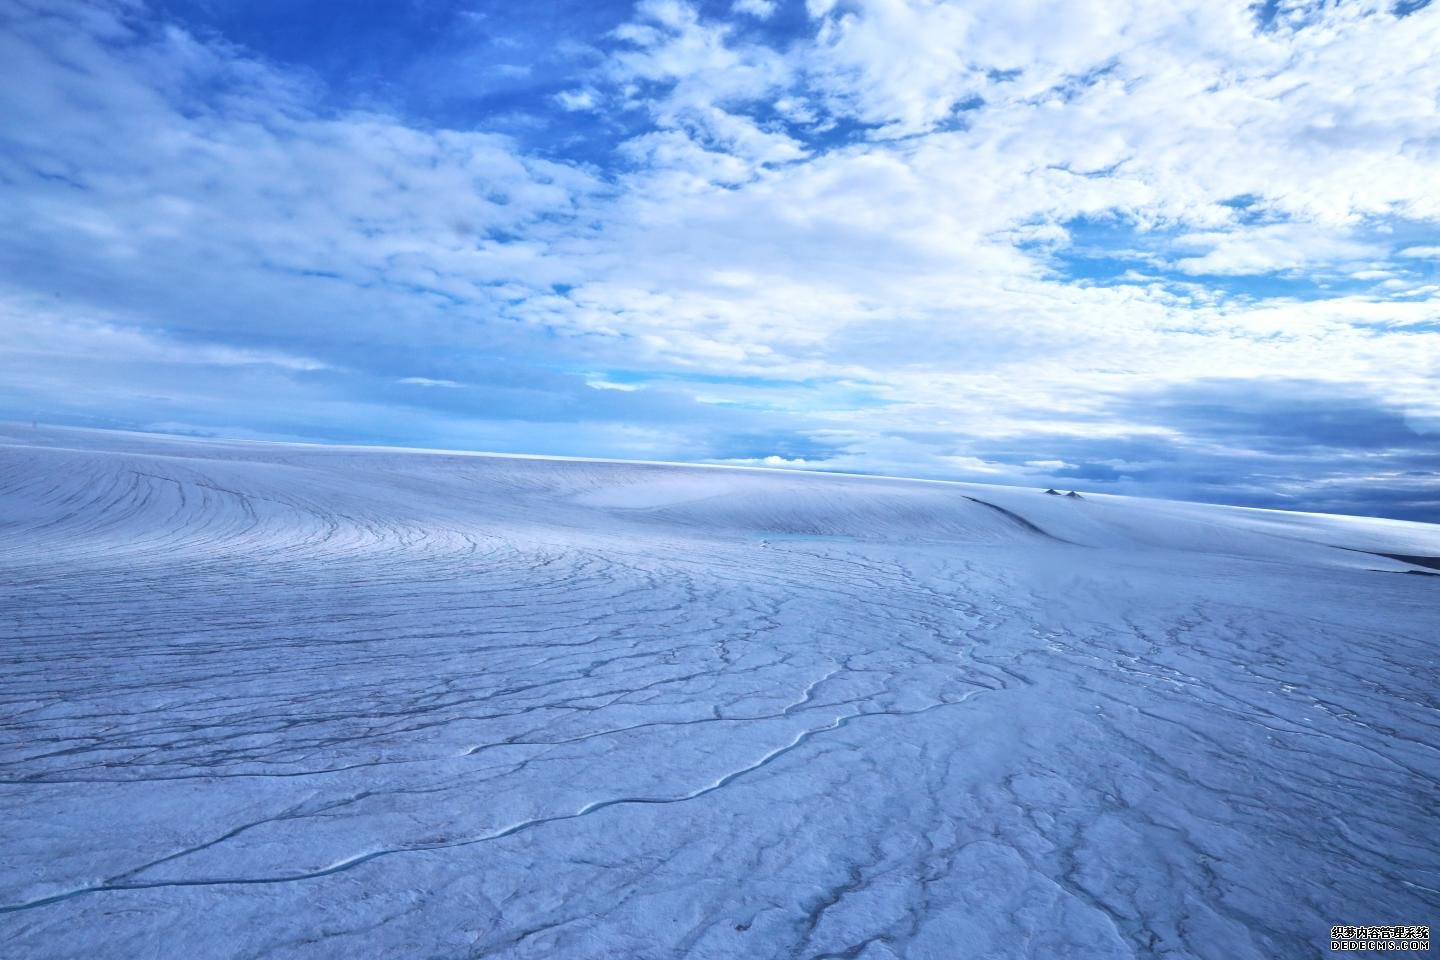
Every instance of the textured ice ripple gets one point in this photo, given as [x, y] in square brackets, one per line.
[285, 701]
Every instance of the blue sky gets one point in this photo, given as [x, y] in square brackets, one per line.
[1187, 250]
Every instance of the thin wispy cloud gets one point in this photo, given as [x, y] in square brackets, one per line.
[1039, 242]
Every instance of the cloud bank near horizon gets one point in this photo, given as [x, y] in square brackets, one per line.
[1185, 250]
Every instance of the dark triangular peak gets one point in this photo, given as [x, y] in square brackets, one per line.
[1053, 492]
[1074, 496]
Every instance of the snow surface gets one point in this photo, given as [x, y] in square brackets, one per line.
[268, 700]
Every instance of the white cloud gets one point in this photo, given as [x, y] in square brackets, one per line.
[759, 9]
[34, 332]
[1251, 250]
[427, 382]
[773, 461]
[576, 99]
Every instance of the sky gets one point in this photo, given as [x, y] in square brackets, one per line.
[1186, 249]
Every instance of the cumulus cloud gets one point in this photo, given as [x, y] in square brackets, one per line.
[761, 9]
[576, 99]
[1269, 248]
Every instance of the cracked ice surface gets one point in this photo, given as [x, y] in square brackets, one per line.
[285, 701]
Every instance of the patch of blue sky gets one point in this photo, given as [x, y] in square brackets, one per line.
[442, 64]
[1116, 250]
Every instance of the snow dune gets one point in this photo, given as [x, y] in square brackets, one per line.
[294, 701]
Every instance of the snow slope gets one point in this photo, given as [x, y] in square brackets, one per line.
[268, 700]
